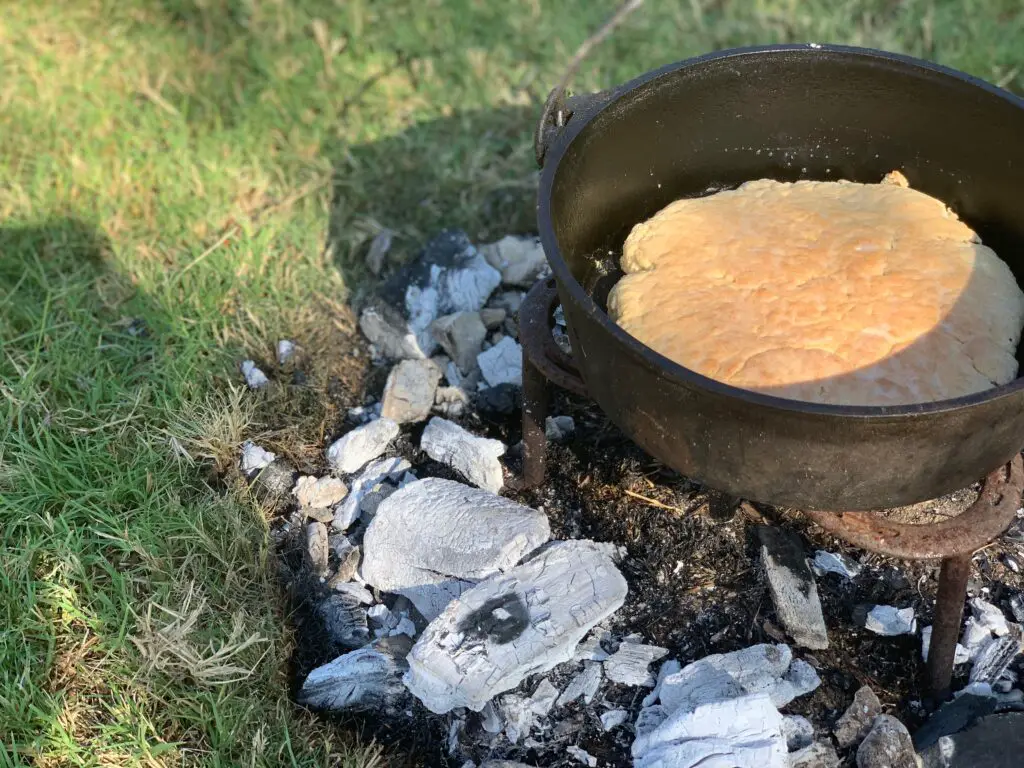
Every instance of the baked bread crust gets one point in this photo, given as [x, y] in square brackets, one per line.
[828, 292]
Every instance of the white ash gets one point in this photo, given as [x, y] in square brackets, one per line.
[464, 286]
[889, 621]
[319, 492]
[391, 338]
[1017, 608]
[584, 685]
[451, 402]
[475, 458]
[433, 539]
[406, 626]
[382, 618]
[517, 716]
[561, 338]
[582, 756]
[741, 732]
[989, 616]
[378, 250]
[590, 649]
[372, 500]
[960, 656]
[613, 718]
[254, 377]
[975, 636]
[502, 363]
[630, 664]
[457, 725]
[409, 392]
[521, 260]
[670, 667]
[369, 480]
[835, 562]
[468, 655]
[461, 336]
[490, 720]
[363, 414]
[366, 679]
[421, 307]
[543, 699]
[317, 550]
[492, 317]
[510, 301]
[285, 350]
[647, 722]
[353, 450]
[994, 659]
[254, 458]
[558, 428]
[798, 731]
[344, 621]
[759, 668]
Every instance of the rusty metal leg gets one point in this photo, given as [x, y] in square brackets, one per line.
[949, 608]
[535, 411]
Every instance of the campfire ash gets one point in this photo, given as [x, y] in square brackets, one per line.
[442, 601]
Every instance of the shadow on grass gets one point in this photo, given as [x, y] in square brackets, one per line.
[472, 171]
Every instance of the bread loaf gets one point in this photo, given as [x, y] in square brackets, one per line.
[828, 292]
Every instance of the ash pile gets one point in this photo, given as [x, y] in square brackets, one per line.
[442, 601]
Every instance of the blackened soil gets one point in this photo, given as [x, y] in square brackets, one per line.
[695, 587]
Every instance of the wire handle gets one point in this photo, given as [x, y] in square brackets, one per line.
[556, 111]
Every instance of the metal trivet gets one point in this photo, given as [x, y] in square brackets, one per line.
[952, 541]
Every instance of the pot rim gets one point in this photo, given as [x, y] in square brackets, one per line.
[680, 374]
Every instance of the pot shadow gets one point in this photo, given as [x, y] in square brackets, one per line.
[472, 171]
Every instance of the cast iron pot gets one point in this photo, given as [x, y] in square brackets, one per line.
[783, 112]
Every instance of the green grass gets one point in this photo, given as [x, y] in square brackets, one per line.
[209, 171]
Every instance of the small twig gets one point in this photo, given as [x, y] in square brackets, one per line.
[401, 61]
[233, 229]
[654, 502]
[750, 511]
[581, 53]
[153, 94]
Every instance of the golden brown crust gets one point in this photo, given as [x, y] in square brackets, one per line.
[831, 292]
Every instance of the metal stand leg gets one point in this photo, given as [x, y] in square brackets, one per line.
[949, 608]
[535, 411]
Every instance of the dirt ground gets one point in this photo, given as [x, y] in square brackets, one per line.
[695, 584]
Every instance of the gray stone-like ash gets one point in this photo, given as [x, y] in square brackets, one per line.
[475, 458]
[350, 452]
[366, 679]
[434, 539]
[510, 626]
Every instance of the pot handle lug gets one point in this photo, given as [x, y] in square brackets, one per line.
[558, 109]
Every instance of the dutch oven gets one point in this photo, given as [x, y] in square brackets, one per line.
[784, 112]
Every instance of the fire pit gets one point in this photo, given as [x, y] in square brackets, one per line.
[788, 113]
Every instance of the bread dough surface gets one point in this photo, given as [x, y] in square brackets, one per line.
[828, 292]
